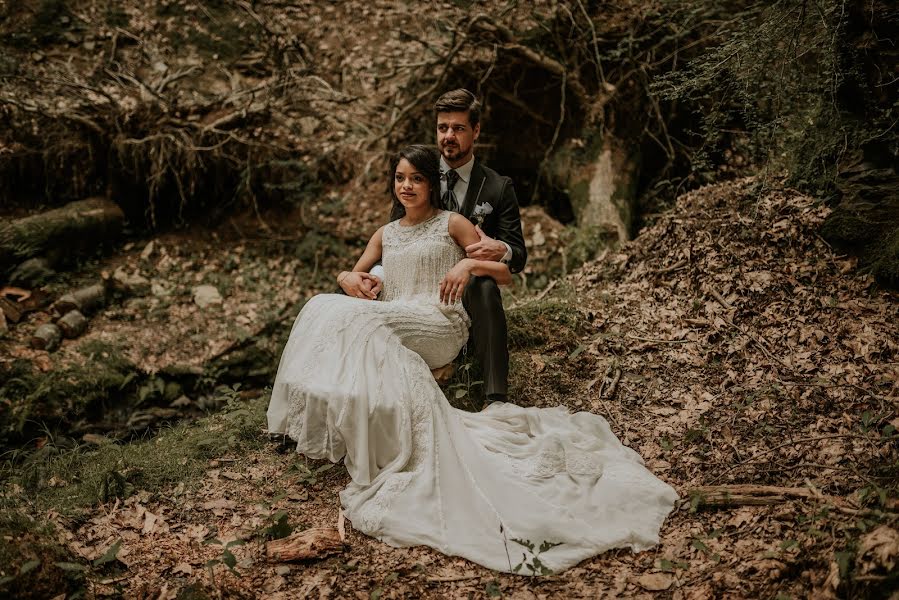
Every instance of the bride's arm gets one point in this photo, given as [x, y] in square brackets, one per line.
[359, 283]
[453, 284]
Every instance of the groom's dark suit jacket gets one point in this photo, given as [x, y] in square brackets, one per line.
[504, 222]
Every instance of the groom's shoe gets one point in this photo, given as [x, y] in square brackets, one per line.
[491, 398]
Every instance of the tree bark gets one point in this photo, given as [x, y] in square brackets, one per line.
[11, 309]
[46, 337]
[85, 300]
[60, 233]
[72, 324]
[610, 201]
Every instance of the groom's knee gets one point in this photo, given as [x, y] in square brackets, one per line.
[482, 293]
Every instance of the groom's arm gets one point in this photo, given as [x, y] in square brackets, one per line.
[509, 226]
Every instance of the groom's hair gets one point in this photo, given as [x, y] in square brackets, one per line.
[460, 100]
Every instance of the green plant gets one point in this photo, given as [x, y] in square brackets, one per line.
[535, 566]
[277, 524]
[309, 476]
[226, 558]
[464, 384]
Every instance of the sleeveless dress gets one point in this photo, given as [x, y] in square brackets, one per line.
[354, 382]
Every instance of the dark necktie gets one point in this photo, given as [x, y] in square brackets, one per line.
[449, 196]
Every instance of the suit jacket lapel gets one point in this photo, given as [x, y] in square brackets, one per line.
[474, 189]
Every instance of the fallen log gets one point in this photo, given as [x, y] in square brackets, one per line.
[60, 233]
[15, 302]
[84, 300]
[730, 496]
[46, 337]
[11, 309]
[72, 324]
[312, 543]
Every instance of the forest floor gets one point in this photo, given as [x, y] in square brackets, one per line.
[727, 344]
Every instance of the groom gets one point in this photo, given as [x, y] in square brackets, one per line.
[488, 200]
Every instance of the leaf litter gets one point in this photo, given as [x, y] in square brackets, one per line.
[749, 352]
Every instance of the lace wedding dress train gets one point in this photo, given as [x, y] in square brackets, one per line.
[355, 383]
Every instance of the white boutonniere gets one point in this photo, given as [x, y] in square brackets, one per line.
[480, 212]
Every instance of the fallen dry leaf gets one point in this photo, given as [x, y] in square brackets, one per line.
[878, 551]
[655, 582]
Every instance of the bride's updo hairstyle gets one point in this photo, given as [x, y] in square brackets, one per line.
[427, 161]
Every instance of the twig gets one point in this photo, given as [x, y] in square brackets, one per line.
[600, 75]
[675, 267]
[552, 142]
[656, 341]
[452, 579]
[546, 290]
[614, 385]
[180, 74]
[430, 91]
[720, 299]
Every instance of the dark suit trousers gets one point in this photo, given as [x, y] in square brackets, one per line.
[484, 304]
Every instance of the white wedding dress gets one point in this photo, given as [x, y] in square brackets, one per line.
[355, 383]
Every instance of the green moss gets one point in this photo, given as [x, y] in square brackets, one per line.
[579, 195]
[871, 231]
[179, 454]
[585, 243]
[30, 557]
[553, 322]
[34, 395]
[884, 258]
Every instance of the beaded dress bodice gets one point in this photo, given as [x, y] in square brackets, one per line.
[416, 258]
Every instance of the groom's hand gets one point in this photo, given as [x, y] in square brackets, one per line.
[361, 285]
[486, 248]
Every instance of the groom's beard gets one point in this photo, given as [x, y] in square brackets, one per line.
[453, 151]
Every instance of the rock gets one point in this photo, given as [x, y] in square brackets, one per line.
[3, 326]
[147, 252]
[160, 289]
[308, 125]
[205, 295]
[274, 584]
[135, 283]
[32, 273]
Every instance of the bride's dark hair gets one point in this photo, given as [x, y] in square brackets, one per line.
[427, 160]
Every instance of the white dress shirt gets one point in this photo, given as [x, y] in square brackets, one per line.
[461, 189]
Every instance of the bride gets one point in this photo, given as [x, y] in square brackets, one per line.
[355, 383]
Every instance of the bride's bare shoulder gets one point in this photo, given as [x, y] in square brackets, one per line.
[461, 230]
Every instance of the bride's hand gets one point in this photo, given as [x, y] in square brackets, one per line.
[359, 285]
[452, 286]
